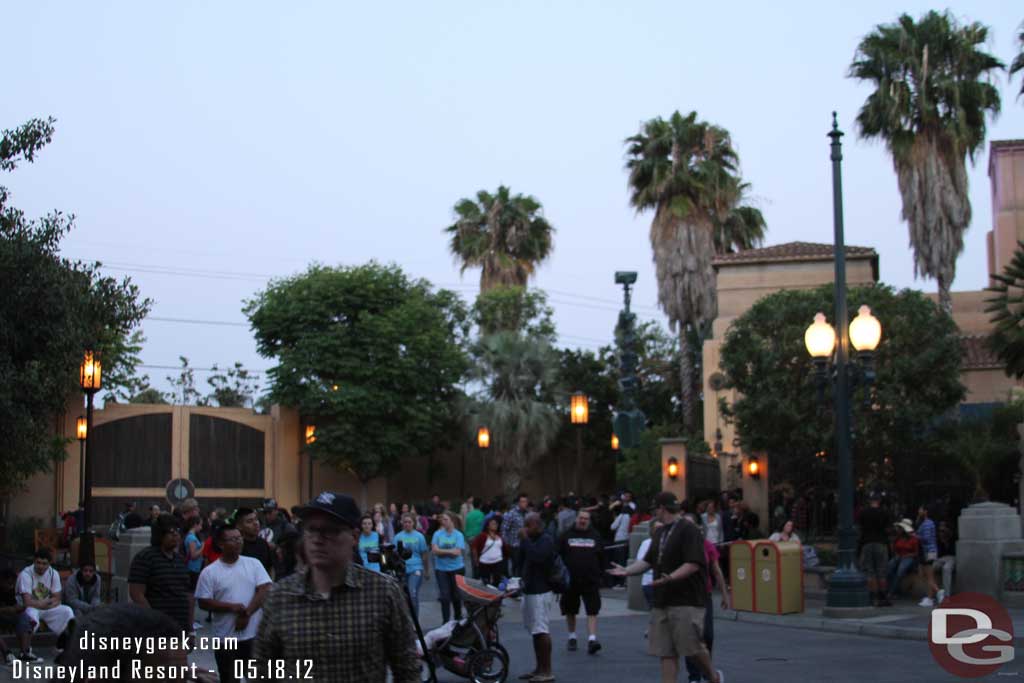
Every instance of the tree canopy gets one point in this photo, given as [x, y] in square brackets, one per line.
[368, 355]
[777, 409]
[505, 235]
[51, 311]
[933, 93]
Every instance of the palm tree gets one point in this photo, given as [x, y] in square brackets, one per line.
[504, 234]
[516, 373]
[933, 90]
[743, 228]
[1007, 339]
[686, 171]
[1018, 61]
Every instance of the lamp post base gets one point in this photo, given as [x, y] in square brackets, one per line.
[847, 589]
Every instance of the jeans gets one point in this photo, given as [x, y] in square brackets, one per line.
[413, 582]
[448, 594]
[492, 573]
[898, 568]
[946, 565]
[708, 635]
[648, 591]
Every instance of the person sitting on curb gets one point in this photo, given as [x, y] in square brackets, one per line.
[83, 589]
[40, 590]
[905, 549]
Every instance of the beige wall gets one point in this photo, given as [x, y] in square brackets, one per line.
[1006, 174]
[740, 286]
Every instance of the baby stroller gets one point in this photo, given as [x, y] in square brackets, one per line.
[469, 647]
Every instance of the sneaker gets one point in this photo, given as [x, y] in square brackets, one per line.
[572, 645]
[721, 676]
[9, 658]
[926, 602]
[884, 602]
[593, 647]
[29, 656]
[940, 597]
[196, 626]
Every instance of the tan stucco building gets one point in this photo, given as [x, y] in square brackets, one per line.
[746, 277]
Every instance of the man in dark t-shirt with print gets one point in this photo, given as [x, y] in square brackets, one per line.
[874, 552]
[253, 545]
[158, 577]
[680, 568]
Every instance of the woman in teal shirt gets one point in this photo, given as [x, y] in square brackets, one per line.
[369, 544]
[447, 546]
[416, 543]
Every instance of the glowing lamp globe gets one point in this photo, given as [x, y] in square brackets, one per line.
[865, 330]
[820, 338]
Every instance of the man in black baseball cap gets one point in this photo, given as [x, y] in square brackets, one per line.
[339, 601]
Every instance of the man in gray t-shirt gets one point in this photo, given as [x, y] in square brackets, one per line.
[566, 517]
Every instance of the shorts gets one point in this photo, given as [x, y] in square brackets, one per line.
[55, 618]
[570, 602]
[676, 632]
[929, 557]
[537, 613]
[874, 560]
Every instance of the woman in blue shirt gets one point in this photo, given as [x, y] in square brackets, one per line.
[415, 542]
[447, 546]
[369, 544]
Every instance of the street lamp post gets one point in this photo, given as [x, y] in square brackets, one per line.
[847, 588]
[90, 378]
[579, 414]
[483, 442]
[310, 439]
[81, 431]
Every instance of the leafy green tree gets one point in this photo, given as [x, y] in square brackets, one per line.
[778, 409]
[52, 310]
[371, 357]
[184, 391]
[1007, 339]
[933, 92]
[234, 387]
[517, 376]
[120, 361]
[505, 235]
[592, 374]
[149, 395]
[685, 170]
[514, 309]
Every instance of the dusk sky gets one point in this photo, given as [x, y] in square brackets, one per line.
[205, 147]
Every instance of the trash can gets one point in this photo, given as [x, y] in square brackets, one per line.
[741, 575]
[778, 577]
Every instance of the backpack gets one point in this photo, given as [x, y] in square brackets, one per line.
[558, 577]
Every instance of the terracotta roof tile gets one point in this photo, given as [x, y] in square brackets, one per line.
[976, 354]
[793, 251]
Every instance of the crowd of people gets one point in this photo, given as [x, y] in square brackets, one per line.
[285, 585]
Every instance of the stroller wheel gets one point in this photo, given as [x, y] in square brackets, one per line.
[488, 666]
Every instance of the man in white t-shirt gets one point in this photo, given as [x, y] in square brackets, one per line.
[233, 588]
[39, 588]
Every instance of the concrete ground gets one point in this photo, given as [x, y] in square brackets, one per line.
[747, 647]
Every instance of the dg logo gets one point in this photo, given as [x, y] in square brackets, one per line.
[971, 635]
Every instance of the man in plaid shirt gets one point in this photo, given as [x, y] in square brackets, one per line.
[338, 621]
[511, 525]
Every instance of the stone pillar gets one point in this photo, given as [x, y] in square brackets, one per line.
[128, 545]
[634, 592]
[987, 531]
